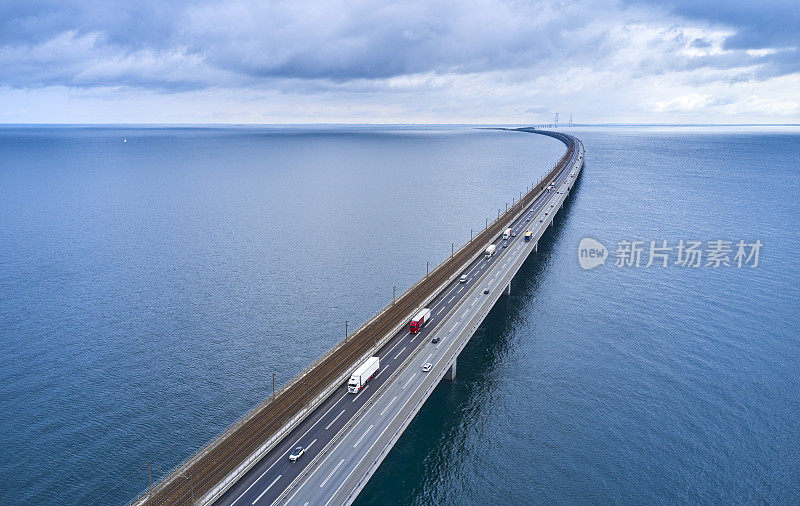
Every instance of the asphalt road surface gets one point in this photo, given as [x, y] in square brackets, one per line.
[266, 481]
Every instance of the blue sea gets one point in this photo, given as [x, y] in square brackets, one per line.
[149, 289]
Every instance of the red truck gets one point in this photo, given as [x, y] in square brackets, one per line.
[418, 321]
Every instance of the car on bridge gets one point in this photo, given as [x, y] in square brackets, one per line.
[463, 278]
[297, 453]
[426, 366]
[435, 340]
[486, 290]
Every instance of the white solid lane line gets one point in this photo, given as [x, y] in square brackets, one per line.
[291, 447]
[334, 470]
[334, 420]
[363, 435]
[265, 490]
[251, 486]
[364, 455]
[387, 406]
[397, 343]
[348, 474]
[478, 266]
[364, 389]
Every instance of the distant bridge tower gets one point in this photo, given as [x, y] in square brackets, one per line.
[556, 123]
[570, 119]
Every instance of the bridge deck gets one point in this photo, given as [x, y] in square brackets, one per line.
[236, 462]
[349, 435]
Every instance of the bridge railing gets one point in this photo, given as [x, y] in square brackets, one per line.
[200, 472]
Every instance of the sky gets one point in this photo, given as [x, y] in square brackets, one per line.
[431, 61]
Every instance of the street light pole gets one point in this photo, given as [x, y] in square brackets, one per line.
[345, 330]
[191, 487]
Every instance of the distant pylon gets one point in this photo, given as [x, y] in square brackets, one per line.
[556, 124]
[570, 119]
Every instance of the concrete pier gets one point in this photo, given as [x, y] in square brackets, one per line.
[450, 375]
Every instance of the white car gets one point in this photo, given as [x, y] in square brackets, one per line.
[463, 278]
[297, 453]
[426, 366]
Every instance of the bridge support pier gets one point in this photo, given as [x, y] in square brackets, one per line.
[508, 288]
[450, 375]
[536, 246]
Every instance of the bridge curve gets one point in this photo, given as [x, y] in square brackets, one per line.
[231, 469]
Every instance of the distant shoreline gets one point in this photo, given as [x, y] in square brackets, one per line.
[487, 125]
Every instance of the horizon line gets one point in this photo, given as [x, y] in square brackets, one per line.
[540, 125]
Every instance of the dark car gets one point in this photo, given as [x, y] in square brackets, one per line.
[486, 290]
[435, 340]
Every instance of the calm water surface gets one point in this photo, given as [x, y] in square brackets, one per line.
[148, 291]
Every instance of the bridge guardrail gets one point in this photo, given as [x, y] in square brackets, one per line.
[198, 474]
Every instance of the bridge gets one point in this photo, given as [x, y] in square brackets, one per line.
[346, 436]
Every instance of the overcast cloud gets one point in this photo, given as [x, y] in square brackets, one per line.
[428, 61]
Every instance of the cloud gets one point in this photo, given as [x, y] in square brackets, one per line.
[335, 40]
[537, 110]
[757, 25]
[435, 59]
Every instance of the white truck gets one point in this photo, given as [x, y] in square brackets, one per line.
[506, 234]
[490, 250]
[363, 374]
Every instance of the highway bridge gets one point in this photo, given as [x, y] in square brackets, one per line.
[346, 436]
